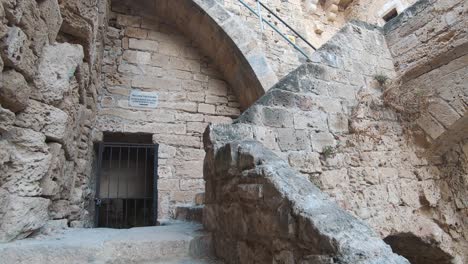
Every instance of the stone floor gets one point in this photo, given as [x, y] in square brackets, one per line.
[174, 242]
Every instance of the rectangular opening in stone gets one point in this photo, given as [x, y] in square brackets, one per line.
[390, 15]
[126, 190]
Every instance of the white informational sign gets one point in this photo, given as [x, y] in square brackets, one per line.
[143, 99]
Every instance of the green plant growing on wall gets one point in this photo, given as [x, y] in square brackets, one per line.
[328, 151]
[381, 78]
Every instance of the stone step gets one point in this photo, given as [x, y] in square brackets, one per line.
[175, 243]
[191, 213]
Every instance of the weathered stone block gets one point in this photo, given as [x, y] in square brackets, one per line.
[168, 184]
[14, 91]
[314, 120]
[189, 169]
[50, 12]
[49, 183]
[192, 184]
[137, 57]
[144, 45]
[308, 162]
[321, 140]
[430, 126]
[7, 118]
[20, 216]
[56, 67]
[291, 139]
[206, 108]
[338, 123]
[17, 54]
[25, 160]
[52, 122]
[277, 117]
[443, 112]
[334, 178]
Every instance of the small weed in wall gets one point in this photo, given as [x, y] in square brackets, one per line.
[381, 78]
[328, 152]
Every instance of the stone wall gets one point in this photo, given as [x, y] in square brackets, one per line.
[147, 54]
[262, 211]
[430, 54]
[317, 21]
[373, 11]
[427, 35]
[50, 66]
[329, 120]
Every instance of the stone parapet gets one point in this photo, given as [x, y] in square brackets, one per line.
[260, 210]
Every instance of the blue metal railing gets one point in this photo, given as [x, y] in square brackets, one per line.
[262, 20]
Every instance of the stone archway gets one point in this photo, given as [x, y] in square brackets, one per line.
[224, 38]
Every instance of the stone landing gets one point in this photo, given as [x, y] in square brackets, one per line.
[176, 242]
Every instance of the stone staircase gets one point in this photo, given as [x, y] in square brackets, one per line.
[180, 241]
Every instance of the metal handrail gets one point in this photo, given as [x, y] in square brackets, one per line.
[276, 29]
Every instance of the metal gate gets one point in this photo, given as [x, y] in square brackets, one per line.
[126, 186]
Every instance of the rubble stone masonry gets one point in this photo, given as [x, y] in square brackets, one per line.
[50, 66]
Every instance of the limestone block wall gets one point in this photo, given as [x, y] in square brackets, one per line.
[427, 36]
[317, 21]
[220, 35]
[312, 23]
[328, 119]
[50, 66]
[430, 54]
[373, 11]
[260, 210]
[148, 54]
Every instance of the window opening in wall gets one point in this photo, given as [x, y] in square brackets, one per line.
[126, 189]
[390, 15]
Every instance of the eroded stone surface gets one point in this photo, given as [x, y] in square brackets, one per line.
[57, 66]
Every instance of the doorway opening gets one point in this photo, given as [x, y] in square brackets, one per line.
[126, 186]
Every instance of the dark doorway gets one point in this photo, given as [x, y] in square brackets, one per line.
[126, 189]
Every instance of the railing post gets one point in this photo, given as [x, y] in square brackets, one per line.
[260, 15]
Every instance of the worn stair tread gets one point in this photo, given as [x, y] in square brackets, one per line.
[175, 241]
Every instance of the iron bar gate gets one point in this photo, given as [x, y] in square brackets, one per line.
[126, 185]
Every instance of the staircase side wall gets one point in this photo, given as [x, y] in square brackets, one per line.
[260, 210]
[328, 119]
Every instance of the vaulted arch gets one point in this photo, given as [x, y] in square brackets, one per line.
[229, 43]
[224, 38]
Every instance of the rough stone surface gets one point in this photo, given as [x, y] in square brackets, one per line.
[20, 216]
[57, 66]
[16, 52]
[259, 204]
[175, 243]
[47, 94]
[369, 166]
[50, 12]
[14, 91]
